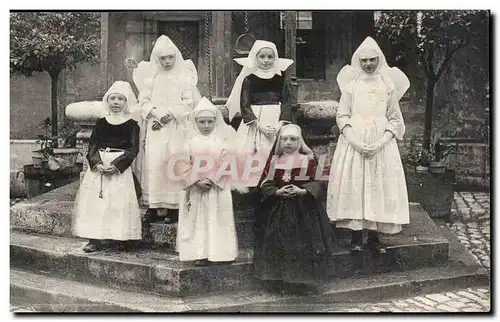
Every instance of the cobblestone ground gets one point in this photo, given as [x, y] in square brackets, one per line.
[471, 224]
[468, 300]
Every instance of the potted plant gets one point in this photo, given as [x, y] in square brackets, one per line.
[41, 156]
[411, 155]
[424, 159]
[67, 153]
[439, 151]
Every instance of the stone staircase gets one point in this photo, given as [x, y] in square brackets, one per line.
[51, 273]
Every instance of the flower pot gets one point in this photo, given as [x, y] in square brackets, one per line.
[36, 181]
[437, 167]
[38, 158]
[422, 169]
[433, 191]
[66, 156]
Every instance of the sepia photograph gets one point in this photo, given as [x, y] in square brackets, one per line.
[250, 161]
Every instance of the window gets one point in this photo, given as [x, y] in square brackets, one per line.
[310, 44]
[304, 20]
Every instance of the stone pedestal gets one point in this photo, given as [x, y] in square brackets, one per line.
[84, 114]
[82, 144]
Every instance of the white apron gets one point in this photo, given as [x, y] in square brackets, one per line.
[114, 216]
[250, 138]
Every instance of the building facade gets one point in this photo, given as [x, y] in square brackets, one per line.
[320, 42]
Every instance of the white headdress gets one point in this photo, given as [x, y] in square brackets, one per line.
[123, 88]
[292, 130]
[206, 108]
[369, 48]
[250, 67]
[146, 71]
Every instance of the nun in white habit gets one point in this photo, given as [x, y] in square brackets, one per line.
[167, 97]
[206, 230]
[261, 96]
[367, 188]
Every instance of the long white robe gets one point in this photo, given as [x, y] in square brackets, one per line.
[206, 228]
[363, 192]
[166, 93]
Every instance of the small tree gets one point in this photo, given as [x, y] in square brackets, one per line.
[431, 38]
[50, 42]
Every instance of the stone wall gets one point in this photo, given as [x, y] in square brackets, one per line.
[29, 104]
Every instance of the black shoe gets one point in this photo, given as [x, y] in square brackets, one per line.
[356, 241]
[201, 262]
[125, 246]
[172, 216]
[221, 263]
[355, 248]
[150, 216]
[92, 246]
[377, 247]
[374, 243]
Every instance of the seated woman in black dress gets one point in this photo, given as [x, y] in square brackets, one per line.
[294, 240]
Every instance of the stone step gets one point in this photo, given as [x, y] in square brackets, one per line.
[51, 213]
[40, 293]
[151, 270]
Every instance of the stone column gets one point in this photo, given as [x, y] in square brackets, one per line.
[84, 114]
[221, 54]
[82, 144]
[103, 80]
[290, 26]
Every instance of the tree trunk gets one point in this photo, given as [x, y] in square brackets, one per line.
[54, 78]
[429, 107]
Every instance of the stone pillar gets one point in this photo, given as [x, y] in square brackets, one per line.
[290, 26]
[82, 144]
[114, 53]
[221, 54]
[84, 114]
[150, 36]
[103, 80]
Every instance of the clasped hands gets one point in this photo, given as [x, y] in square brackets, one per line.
[204, 184]
[157, 125]
[268, 130]
[367, 150]
[290, 191]
[110, 169]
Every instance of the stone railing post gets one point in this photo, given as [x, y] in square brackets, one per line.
[84, 114]
[82, 144]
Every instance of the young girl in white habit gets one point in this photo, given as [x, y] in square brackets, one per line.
[368, 188]
[262, 98]
[106, 205]
[206, 230]
[167, 96]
